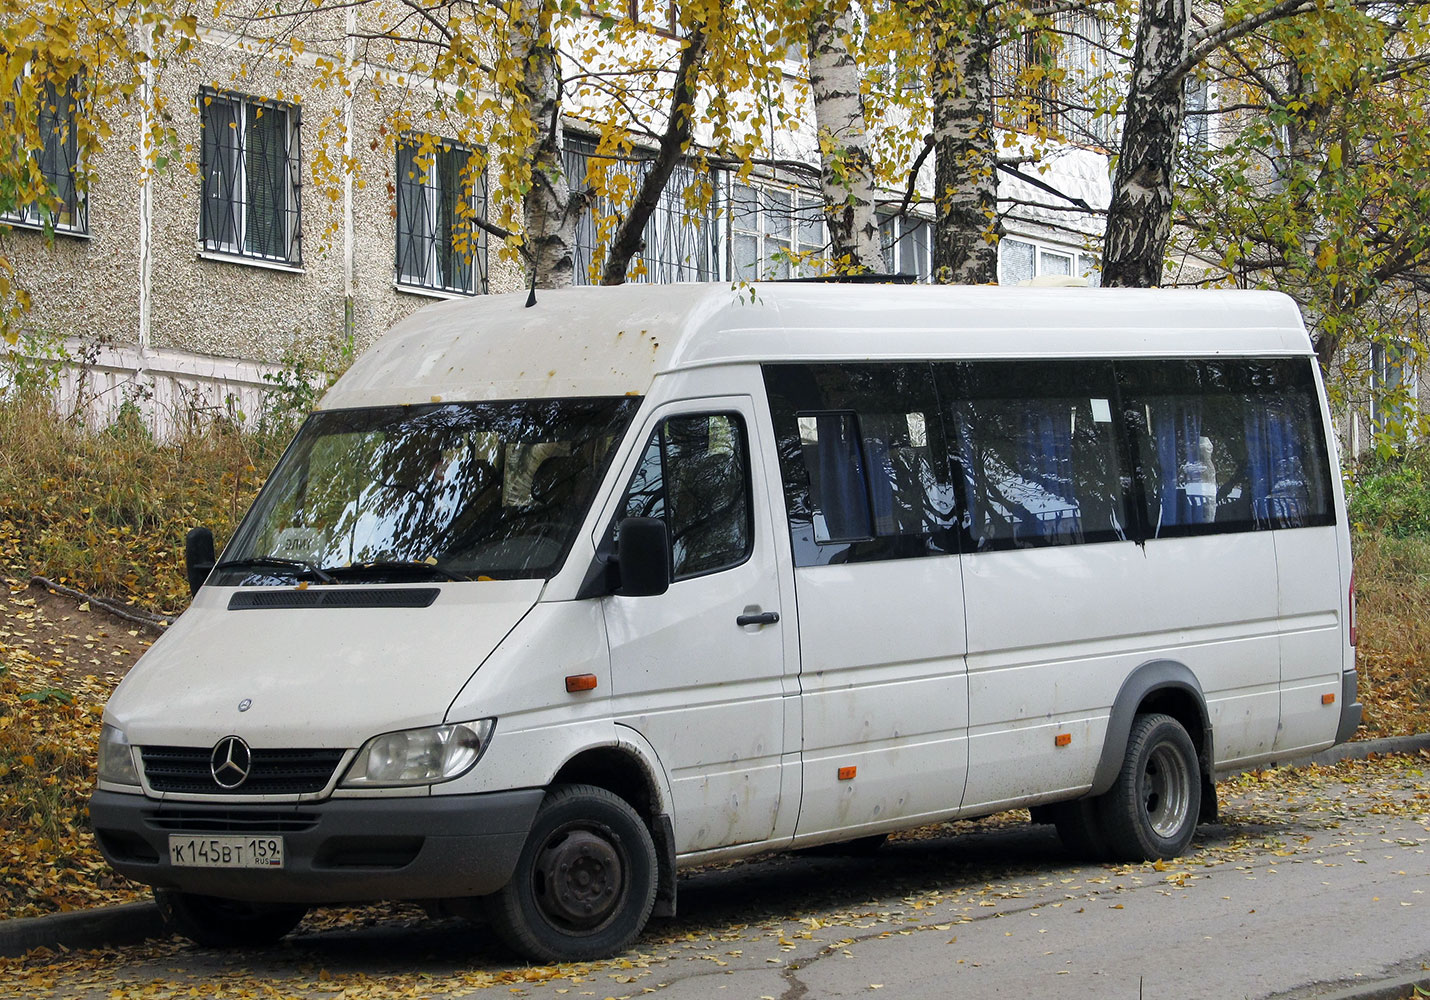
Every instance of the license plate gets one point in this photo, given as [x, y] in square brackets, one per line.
[225, 852]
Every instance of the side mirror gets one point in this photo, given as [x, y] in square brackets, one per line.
[199, 557]
[643, 552]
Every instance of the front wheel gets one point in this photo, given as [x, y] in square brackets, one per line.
[226, 923]
[1152, 808]
[585, 883]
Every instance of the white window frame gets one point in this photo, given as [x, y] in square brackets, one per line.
[1081, 264]
[797, 227]
[1391, 367]
[907, 245]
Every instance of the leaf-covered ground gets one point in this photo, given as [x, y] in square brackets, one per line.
[779, 916]
[59, 660]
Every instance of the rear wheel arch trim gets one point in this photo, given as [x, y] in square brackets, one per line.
[1148, 679]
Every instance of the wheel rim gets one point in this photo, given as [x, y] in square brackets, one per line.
[580, 878]
[1167, 791]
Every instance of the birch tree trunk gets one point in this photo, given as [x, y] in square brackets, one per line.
[1139, 218]
[966, 230]
[846, 169]
[549, 211]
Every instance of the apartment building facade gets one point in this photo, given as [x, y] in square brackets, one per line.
[189, 286]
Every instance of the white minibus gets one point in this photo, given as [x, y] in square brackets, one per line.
[545, 603]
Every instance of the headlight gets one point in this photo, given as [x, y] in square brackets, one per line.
[419, 756]
[116, 758]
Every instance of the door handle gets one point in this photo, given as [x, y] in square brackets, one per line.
[762, 618]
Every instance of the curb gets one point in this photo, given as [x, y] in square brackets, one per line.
[128, 923]
[1361, 749]
[1397, 988]
[132, 923]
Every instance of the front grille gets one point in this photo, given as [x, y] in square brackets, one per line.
[231, 821]
[273, 772]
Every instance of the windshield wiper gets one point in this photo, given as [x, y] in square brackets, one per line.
[377, 567]
[277, 562]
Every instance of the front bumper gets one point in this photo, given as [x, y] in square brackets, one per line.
[338, 851]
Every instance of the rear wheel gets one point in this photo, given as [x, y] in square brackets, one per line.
[1152, 808]
[226, 923]
[585, 883]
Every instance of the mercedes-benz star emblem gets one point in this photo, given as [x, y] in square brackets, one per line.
[230, 762]
[245, 704]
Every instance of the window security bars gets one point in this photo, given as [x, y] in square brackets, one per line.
[1054, 77]
[679, 244]
[58, 159]
[250, 161]
[1087, 55]
[439, 194]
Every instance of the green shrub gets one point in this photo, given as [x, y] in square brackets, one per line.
[1393, 496]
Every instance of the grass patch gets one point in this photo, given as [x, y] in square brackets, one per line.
[1393, 610]
[107, 511]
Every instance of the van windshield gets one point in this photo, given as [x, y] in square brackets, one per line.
[442, 491]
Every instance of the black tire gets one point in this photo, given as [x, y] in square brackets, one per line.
[585, 883]
[1078, 829]
[1152, 808]
[226, 923]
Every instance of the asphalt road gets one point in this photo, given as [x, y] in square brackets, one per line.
[1316, 883]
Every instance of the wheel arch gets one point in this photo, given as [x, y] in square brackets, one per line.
[1168, 687]
[631, 771]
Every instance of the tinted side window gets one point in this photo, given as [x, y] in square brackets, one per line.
[695, 475]
[863, 460]
[1038, 451]
[1227, 445]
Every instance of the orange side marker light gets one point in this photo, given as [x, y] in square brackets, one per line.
[1062, 739]
[847, 773]
[580, 682]
[1328, 699]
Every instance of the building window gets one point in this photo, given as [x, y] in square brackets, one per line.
[1020, 260]
[57, 160]
[1092, 75]
[1023, 90]
[250, 163]
[679, 243]
[440, 191]
[659, 15]
[1196, 128]
[769, 225]
[1393, 389]
[908, 245]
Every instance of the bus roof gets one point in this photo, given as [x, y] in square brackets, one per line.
[595, 341]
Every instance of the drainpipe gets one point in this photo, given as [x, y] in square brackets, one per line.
[350, 52]
[142, 377]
